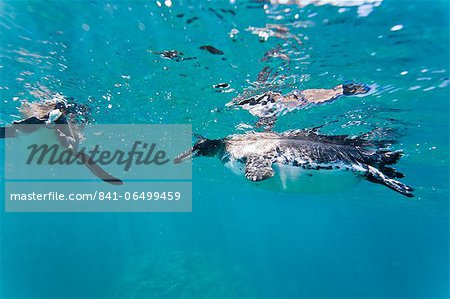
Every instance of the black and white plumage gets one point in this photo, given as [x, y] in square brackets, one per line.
[307, 149]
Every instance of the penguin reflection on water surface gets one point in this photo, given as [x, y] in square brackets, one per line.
[271, 105]
[307, 149]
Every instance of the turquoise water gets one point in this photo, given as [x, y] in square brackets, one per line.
[242, 239]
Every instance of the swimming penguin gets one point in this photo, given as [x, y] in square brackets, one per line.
[307, 149]
[269, 105]
[56, 115]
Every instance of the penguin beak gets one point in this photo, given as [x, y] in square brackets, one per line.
[185, 155]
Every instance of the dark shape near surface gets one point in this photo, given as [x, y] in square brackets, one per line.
[211, 50]
[216, 13]
[355, 88]
[221, 85]
[173, 55]
[190, 20]
[230, 11]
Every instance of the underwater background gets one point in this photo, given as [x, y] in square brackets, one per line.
[342, 237]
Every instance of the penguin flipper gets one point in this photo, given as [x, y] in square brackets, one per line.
[97, 170]
[30, 121]
[376, 176]
[258, 168]
[28, 125]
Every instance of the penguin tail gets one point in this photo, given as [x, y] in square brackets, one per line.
[390, 157]
[376, 176]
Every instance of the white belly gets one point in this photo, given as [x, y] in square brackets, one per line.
[295, 179]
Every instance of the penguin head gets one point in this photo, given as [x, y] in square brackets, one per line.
[207, 147]
[203, 147]
[61, 105]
